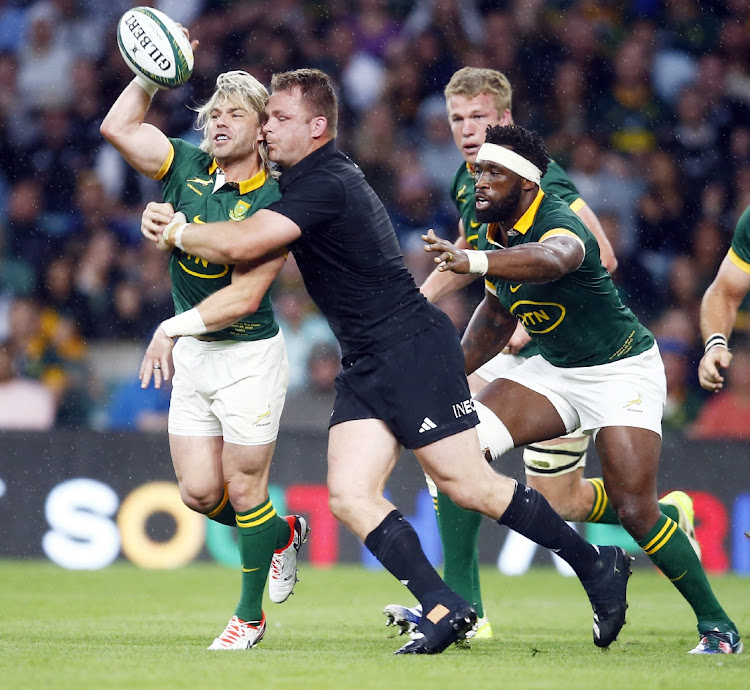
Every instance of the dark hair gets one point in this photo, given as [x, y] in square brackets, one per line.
[523, 141]
[317, 93]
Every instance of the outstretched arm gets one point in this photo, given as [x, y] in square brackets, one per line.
[718, 313]
[143, 146]
[535, 262]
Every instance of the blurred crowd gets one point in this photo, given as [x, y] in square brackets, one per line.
[644, 103]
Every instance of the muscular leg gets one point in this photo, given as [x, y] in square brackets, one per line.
[361, 456]
[259, 529]
[197, 466]
[630, 459]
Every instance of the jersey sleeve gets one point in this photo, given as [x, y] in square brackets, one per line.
[313, 200]
[184, 158]
[739, 252]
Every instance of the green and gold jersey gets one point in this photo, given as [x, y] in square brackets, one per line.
[578, 320]
[555, 181]
[190, 185]
[739, 252]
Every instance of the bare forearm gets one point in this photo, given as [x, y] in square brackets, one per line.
[718, 313]
[606, 253]
[486, 335]
[440, 284]
[219, 243]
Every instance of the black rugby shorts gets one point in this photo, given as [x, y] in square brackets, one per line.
[417, 387]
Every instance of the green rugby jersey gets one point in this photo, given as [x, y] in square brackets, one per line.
[739, 252]
[578, 320]
[555, 181]
[189, 177]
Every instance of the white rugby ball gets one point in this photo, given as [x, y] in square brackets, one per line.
[154, 47]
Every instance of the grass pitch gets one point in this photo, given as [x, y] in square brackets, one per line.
[128, 628]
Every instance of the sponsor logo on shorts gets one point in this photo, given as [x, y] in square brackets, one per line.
[427, 425]
[463, 408]
[515, 288]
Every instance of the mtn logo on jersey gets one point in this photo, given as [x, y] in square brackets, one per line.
[427, 425]
[538, 317]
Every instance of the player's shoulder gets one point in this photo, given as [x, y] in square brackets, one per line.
[554, 212]
[185, 152]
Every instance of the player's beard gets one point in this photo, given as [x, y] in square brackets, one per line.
[504, 209]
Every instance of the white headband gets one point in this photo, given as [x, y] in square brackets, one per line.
[511, 160]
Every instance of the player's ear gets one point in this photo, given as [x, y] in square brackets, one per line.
[319, 126]
[527, 185]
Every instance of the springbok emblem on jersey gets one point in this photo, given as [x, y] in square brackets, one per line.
[239, 211]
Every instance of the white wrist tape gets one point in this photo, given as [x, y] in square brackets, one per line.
[478, 261]
[716, 340]
[190, 322]
[146, 85]
[178, 236]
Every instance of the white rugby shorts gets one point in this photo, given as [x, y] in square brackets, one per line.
[229, 388]
[629, 392]
[504, 362]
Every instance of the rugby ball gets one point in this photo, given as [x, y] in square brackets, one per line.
[154, 47]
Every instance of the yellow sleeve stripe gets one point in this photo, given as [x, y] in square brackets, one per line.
[662, 538]
[257, 517]
[556, 232]
[577, 205]
[167, 164]
[490, 287]
[221, 505]
[735, 259]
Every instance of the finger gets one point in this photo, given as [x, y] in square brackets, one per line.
[146, 376]
[165, 370]
[157, 377]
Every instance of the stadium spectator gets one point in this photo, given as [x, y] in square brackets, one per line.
[309, 407]
[25, 404]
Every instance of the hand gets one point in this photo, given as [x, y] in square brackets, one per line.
[155, 217]
[157, 361]
[708, 370]
[451, 258]
[518, 340]
[194, 43]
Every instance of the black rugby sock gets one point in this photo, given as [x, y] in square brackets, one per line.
[529, 514]
[396, 545]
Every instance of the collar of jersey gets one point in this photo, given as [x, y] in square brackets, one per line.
[524, 222]
[255, 182]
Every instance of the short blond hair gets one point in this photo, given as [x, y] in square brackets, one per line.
[245, 91]
[472, 81]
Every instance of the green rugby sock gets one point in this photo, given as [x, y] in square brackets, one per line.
[223, 512]
[256, 538]
[603, 512]
[459, 532]
[669, 549]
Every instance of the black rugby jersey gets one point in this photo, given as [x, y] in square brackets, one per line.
[348, 254]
